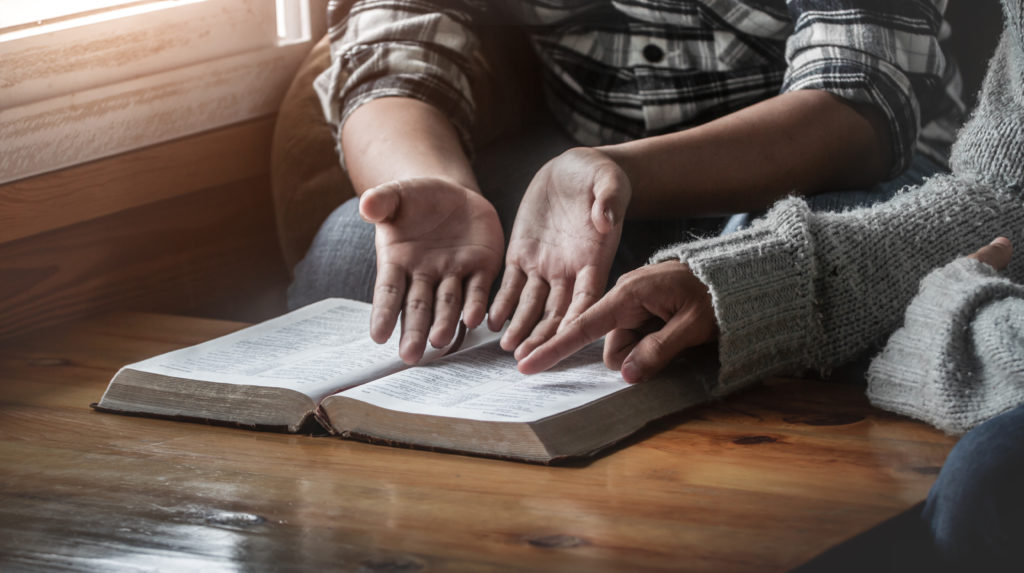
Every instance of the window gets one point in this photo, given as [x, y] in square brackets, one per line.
[84, 79]
[18, 12]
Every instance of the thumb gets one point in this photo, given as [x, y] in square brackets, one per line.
[997, 253]
[657, 349]
[611, 197]
[380, 204]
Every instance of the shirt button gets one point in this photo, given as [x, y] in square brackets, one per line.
[653, 53]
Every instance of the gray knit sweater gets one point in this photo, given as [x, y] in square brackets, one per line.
[958, 359]
[802, 290]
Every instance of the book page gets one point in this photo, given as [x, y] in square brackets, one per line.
[485, 385]
[316, 350]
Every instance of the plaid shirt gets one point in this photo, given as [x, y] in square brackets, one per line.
[617, 70]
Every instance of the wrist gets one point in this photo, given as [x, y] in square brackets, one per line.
[620, 155]
[605, 167]
[651, 168]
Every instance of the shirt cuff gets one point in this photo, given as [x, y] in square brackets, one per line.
[454, 104]
[862, 78]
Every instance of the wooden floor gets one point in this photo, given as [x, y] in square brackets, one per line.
[760, 482]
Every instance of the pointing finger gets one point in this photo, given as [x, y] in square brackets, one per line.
[588, 327]
[588, 289]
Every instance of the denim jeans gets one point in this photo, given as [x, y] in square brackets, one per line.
[975, 510]
[972, 520]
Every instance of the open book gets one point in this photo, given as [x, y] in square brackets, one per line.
[318, 365]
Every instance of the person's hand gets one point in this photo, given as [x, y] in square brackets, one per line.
[996, 254]
[651, 315]
[439, 249]
[562, 245]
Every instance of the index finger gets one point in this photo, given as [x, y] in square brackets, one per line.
[586, 328]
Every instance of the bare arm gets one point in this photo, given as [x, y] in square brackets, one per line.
[803, 141]
[395, 138]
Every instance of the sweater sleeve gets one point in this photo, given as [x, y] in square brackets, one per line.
[419, 49]
[958, 359]
[802, 290]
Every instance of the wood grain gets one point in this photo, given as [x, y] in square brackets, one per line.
[141, 177]
[759, 482]
[117, 118]
[93, 91]
[212, 251]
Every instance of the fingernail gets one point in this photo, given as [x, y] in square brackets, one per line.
[631, 373]
[1001, 241]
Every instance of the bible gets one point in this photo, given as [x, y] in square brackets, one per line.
[316, 366]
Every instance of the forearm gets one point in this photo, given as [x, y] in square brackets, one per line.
[803, 141]
[399, 89]
[395, 138]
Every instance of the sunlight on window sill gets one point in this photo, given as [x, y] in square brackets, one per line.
[29, 20]
[121, 76]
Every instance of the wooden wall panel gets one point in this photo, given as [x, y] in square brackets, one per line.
[211, 252]
[99, 188]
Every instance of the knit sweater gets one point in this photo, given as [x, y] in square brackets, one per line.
[802, 290]
[958, 359]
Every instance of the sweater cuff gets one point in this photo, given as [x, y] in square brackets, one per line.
[761, 282]
[930, 368]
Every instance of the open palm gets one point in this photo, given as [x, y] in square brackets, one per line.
[562, 246]
[439, 248]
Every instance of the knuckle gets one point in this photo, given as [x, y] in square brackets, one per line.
[477, 290]
[387, 289]
[552, 315]
[415, 333]
[656, 342]
[530, 298]
[584, 295]
[417, 305]
[423, 277]
[589, 331]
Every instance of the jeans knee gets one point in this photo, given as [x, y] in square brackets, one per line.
[341, 261]
[975, 510]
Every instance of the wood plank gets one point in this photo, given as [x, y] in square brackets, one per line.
[107, 120]
[51, 59]
[703, 491]
[140, 177]
[211, 252]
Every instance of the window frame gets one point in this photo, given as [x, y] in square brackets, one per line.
[74, 94]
